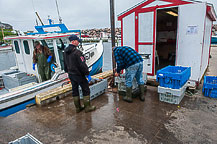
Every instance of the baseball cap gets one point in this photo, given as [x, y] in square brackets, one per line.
[74, 37]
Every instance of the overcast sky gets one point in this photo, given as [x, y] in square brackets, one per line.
[76, 14]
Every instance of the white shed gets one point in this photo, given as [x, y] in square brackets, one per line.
[170, 32]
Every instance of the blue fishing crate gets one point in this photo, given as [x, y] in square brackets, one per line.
[173, 76]
[210, 86]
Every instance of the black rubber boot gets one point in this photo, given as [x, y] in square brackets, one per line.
[77, 103]
[142, 89]
[128, 97]
[87, 106]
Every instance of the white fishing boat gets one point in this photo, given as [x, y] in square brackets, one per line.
[16, 98]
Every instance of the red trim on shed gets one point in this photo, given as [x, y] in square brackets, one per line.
[146, 43]
[137, 43]
[122, 42]
[175, 2]
[136, 32]
[154, 44]
[134, 9]
[178, 2]
[210, 13]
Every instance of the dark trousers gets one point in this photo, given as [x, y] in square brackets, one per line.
[81, 81]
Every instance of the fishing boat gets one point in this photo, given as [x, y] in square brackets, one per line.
[16, 98]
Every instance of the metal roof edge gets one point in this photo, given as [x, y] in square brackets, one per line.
[132, 7]
[197, 1]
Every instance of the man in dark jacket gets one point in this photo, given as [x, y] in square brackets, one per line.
[77, 69]
[127, 58]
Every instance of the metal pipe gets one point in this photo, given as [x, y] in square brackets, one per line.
[112, 20]
[60, 19]
[39, 18]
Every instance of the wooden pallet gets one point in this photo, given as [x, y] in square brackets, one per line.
[103, 75]
[60, 92]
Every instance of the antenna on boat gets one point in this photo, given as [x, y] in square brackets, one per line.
[50, 20]
[39, 18]
[60, 19]
[36, 21]
[36, 14]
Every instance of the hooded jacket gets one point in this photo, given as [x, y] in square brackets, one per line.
[45, 50]
[74, 62]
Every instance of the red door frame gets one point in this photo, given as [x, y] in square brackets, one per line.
[137, 43]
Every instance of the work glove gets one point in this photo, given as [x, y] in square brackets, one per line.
[33, 66]
[49, 59]
[89, 78]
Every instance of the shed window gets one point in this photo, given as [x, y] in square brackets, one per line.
[17, 49]
[26, 47]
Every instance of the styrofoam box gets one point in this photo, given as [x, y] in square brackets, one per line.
[96, 89]
[172, 99]
[169, 95]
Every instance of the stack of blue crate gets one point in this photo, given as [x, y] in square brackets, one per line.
[173, 83]
[210, 86]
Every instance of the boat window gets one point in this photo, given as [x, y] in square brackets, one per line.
[17, 49]
[87, 56]
[44, 43]
[92, 54]
[61, 43]
[26, 47]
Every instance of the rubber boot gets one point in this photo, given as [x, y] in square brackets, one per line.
[77, 103]
[87, 106]
[141, 90]
[128, 97]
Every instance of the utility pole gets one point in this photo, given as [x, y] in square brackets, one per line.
[112, 20]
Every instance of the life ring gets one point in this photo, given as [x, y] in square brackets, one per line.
[53, 66]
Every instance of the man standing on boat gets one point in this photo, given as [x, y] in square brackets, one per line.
[127, 58]
[42, 57]
[77, 69]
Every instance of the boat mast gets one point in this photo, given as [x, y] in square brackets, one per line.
[58, 12]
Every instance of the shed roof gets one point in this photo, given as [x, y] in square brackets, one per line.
[140, 5]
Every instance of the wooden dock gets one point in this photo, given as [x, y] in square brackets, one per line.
[62, 91]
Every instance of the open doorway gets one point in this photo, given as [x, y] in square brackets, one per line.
[165, 52]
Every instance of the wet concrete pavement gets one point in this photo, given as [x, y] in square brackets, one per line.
[115, 121]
